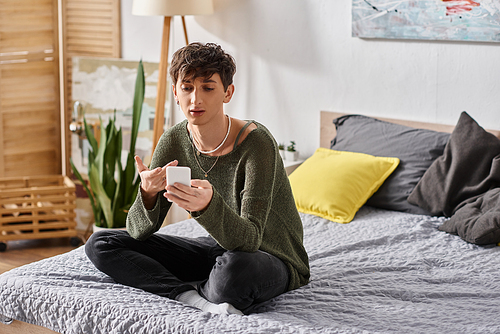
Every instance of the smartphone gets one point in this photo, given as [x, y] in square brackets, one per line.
[179, 174]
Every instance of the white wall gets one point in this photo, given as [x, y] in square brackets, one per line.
[295, 58]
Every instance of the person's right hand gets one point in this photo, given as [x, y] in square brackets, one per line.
[152, 181]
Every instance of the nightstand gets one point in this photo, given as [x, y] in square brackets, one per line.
[291, 165]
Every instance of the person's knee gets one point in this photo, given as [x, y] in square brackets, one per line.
[90, 246]
[231, 277]
[97, 246]
[241, 278]
[237, 267]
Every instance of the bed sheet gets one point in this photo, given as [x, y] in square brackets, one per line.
[385, 272]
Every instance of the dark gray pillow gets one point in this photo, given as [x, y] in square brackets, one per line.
[478, 220]
[469, 167]
[416, 149]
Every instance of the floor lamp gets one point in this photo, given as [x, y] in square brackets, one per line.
[167, 9]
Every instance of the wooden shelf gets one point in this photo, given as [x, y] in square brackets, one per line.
[290, 166]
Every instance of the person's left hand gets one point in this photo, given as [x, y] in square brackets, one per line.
[194, 198]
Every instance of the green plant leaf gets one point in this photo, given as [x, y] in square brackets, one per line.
[99, 158]
[112, 154]
[90, 136]
[118, 196]
[102, 197]
[137, 105]
[95, 207]
[130, 174]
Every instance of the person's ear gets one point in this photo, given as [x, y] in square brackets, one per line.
[229, 93]
[175, 94]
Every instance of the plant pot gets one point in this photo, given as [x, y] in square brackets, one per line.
[291, 156]
[98, 228]
[282, 153]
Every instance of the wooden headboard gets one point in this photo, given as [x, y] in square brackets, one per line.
[327, 128]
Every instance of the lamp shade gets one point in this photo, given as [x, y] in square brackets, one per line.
[172, 7]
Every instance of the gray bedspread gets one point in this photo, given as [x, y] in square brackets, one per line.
[385, 272]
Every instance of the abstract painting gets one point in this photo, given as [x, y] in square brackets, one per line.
[457, 20]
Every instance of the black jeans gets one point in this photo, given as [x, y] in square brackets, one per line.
[168, 265]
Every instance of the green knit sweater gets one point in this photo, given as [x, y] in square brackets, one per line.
[252, 206]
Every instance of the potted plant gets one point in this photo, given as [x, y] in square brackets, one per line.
[291, 153]
[113, 189]
[281, 148]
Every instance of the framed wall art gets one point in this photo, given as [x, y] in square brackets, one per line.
[455, 20]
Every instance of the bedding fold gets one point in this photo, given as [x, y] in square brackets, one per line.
[5, 320]
[464, 183]
[477, 220]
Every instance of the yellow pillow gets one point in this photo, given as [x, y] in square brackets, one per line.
[335, 184]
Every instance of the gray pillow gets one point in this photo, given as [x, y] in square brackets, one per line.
[469, 167]
[416, 148]
[477, 220]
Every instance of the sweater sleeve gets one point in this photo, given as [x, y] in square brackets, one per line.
[141, 222]
[244, 230]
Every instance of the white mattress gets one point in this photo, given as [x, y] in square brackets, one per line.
[385, 272]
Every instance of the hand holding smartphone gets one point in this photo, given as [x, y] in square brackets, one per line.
[179, 174]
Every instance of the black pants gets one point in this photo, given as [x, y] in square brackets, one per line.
[166, 265]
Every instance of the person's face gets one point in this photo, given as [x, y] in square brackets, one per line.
[202, 98]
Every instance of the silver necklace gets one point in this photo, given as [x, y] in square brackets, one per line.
[218, 147]
[195, 148]
[199, 165]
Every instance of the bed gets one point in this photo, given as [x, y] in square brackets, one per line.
[387, 270]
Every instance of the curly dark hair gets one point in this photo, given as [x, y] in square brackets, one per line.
[202, 60]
